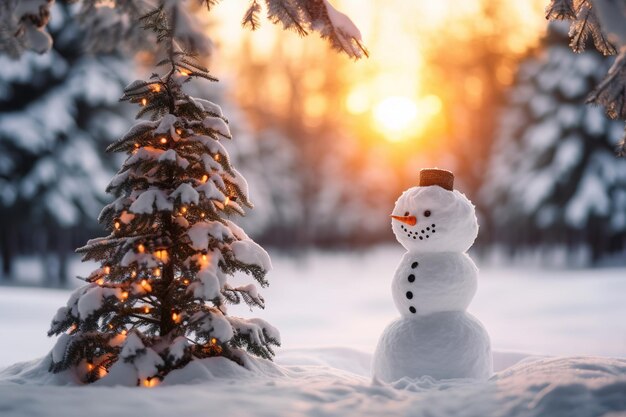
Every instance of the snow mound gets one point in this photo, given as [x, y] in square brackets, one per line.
[330, 382]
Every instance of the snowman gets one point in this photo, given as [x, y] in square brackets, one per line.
[432, 288]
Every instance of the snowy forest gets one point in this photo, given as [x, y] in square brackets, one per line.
[198, 193]
[331, 136]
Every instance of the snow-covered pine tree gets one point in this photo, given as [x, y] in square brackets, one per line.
[554, 178]
[58, 112]
[159, 298]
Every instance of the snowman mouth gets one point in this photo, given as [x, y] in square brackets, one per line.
[421, 233]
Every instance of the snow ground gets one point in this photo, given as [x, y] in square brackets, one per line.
[330, 309]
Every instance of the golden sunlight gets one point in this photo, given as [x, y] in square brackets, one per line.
[395, 116]
[400, 118]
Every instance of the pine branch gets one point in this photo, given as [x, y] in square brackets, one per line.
[560, 10]
[611, 92]
[251, 18]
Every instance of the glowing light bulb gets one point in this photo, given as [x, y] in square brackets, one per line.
[226, 201]
[204, 178]
[133, 274]
[146, 309]
[183, 209]
[100, 281]
[156, 88]
[117, 225]
[151, 382]
[178, 131]
[141, 248]
[90, 366]
[202, 215]
[213, 341]
[175, 317]
[157, 272]
[136, 145]
[183, 72]
[186, 281]
[144, 101]
[163, 140]
[217, 157]
[102, 372]
[107, 269]
[204, 257]
[124, 295]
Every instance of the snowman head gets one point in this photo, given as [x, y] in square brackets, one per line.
[433, 217]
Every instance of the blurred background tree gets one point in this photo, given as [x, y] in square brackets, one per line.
[59, 111]
[554, 176]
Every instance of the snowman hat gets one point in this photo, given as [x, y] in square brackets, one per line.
[436, 176]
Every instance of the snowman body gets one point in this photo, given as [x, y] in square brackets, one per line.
[432, 288]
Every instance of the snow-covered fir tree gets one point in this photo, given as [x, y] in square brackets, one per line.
[159, 298]
[58, 112]
[554, 178]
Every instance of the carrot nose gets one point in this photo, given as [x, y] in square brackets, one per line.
[410, 220]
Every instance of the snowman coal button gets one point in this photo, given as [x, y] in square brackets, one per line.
[412, 310]
[411, 278]
[409, 295]
[414, 265]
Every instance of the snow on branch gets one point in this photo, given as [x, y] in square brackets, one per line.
[304, 16]
[23, 26]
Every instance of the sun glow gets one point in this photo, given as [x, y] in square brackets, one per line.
[400, 118]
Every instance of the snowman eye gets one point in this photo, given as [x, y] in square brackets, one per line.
[427, 213]
[406, 214]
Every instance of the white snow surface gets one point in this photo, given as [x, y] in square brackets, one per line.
[323, 368]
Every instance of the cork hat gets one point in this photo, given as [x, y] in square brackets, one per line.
[436, 176]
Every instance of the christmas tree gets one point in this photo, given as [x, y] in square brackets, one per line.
[554, 178]
[159, 299]
[58, 112]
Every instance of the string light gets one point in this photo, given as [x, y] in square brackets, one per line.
[90, 366]
[144, 101]
[133, 274]
[204, 257]
[183, 72]
[226, 201]
[183, 209]
[175, 317]
[178, 131]
[204, 178]
[124, 332]
[156, 88]
[100, 281]
[146, 309]
[117, 225]
[217, 157]
[107, 270]
[151, 382]
[102, 372]
[157, 272]
[213, 341]
[124, 295]
[141, 248]
[186, 281]
[163, 141]
[146, 285]
[136, 144]
[202, 215]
